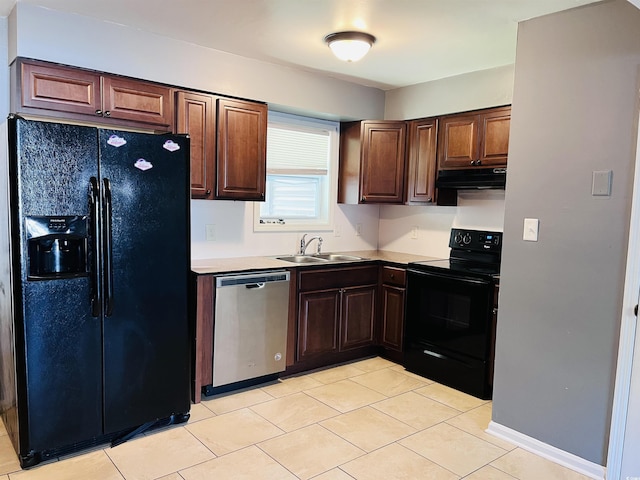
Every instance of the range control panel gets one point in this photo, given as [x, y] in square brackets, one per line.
[476, 240]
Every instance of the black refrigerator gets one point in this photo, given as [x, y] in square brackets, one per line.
[95, 341]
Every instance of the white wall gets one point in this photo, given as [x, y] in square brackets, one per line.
[481, 89]
[481, 210]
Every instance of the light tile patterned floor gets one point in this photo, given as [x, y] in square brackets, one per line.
[366, 420]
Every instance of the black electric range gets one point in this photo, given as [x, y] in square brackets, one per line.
[450, 326]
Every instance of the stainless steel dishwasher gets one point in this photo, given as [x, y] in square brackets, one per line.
[250, 330]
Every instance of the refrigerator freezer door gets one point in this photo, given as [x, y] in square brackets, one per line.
[145, 184]
[59, 359]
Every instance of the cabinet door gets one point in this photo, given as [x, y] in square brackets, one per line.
[196, 117]
[60, 89]
[242, 150]
[358, 305]
[421, 175]
[383, 162]
[137, 101]
[495, 137]
[458, 142]
[318, 320]
[392, 316]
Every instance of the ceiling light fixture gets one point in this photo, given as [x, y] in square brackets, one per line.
[350, 46]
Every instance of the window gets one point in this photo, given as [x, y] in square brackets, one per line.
[301, 164]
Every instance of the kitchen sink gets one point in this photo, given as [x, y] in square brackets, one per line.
[303, 259]
[321, 258]
[336, 257]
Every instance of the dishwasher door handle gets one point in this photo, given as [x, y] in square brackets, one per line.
[253, 280]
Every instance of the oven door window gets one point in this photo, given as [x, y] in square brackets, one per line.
[448, 312]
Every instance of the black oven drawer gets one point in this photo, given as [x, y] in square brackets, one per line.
[466, 374]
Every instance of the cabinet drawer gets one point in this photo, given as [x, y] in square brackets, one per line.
[394, 276]
[337, 277]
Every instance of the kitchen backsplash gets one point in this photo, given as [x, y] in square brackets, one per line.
[408, 229]
[234, 236]
[425, 230]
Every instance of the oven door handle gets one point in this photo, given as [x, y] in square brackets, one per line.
[456, 278]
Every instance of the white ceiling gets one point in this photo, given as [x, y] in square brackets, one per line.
[417, 40]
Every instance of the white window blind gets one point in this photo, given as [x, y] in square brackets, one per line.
[291, 151]
[299, 159]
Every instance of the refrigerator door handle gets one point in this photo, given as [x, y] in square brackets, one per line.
[94, 210]
[108, 252]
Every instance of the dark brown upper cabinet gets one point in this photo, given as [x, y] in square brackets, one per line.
[372, 162]
[421, 171]
[228, 145]
[242, 150]
[196, 117]
[52, 90]
[474, 139]
[494, 140]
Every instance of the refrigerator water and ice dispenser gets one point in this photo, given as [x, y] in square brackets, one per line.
[57, 246]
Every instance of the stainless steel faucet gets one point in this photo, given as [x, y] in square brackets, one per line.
[304, 243]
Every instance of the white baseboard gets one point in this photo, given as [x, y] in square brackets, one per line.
[566, 459]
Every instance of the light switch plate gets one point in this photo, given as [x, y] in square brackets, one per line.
[601, 183]
[530, 233]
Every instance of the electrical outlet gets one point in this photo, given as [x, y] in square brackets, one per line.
[210, 233]
[414, 232]
[337, 230]
[358, 229]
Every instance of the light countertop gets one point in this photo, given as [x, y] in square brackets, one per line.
[244, 264]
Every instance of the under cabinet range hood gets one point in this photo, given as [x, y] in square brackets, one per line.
[472, 178]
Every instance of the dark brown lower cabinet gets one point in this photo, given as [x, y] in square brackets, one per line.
[336, 314]
[318, 323]
[203, 294]
[392, 315]
[357, 320]
[392, 298]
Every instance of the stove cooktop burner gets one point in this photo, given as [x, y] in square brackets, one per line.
[473, 252]
[446, 265]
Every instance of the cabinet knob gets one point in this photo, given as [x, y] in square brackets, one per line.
[107, 113]
[479, 162]
[208, 192]
[392, 275]
[99, 112]
[473, 162]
